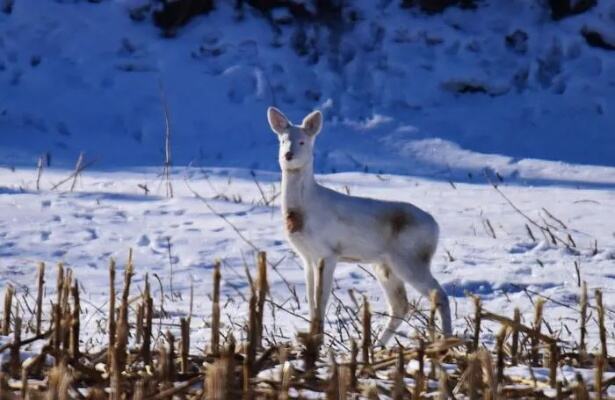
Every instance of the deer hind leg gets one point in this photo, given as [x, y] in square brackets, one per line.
[397, 300]
[416, 272]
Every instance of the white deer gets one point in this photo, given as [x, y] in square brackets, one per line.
[321, 224]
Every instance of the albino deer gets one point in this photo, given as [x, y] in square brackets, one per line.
[321, 224]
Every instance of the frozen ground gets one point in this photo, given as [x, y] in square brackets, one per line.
[108, 214]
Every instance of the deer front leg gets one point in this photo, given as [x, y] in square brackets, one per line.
[308, 269]
[329, 264]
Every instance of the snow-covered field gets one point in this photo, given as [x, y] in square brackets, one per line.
[108, 213]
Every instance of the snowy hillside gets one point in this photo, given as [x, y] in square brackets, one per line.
[403, 91]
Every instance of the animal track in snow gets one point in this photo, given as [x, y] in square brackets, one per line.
[143, 241]
[58, 253]
[6, 249]
[92, 235]
[522, 248]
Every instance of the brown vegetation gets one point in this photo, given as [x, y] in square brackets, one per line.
[130, 368]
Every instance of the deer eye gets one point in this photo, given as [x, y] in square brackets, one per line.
[301, 143]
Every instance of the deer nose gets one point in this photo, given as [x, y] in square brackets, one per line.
[288, 156]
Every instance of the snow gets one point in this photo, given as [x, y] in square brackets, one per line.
[108, 214]
[76, 76]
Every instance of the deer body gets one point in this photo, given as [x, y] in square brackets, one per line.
[399, 239]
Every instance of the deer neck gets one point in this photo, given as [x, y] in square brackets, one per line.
[297, 185]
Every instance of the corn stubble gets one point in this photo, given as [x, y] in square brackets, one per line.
[133, 367]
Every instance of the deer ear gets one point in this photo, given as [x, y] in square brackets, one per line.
[312, 123]
[278, 121]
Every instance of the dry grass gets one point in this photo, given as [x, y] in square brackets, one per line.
[130, 368]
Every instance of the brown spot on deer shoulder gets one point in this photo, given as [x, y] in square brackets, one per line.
[294, 220]
[398, 221]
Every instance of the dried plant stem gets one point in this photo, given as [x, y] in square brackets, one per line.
[262, 287]
[59, 284]
[170, 373]
[77, 172]
[112, 322]
[167, 144]
[583, 322]
[420, 373]
[399, 389]
[474, 378]
[367, 332]
[163, 368]
[577, 269]
[601, 326]
[553, 364]
[285, 380]
[443, 389]
[39, 297]
[185, 344]
[215, 311]
[333, 389]
[15, 362]
[57, 330]
[25, 371]
[520, 327]
[252, 327]
[500, 354]
[544, 229]
[121, 340]
[39, 172]
[477, 321]
[354, 352]
[599, 375]
[514, 348]
[74, 174]
[139, 323]
[139, 393]
[8, 305]
[75, 326]
[148, 304]
[219, 382]
[246, 375]
[535, 339]
[491, 391]
[581, 392]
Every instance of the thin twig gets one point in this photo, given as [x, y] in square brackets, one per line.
[167, 143]
[71, 176]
